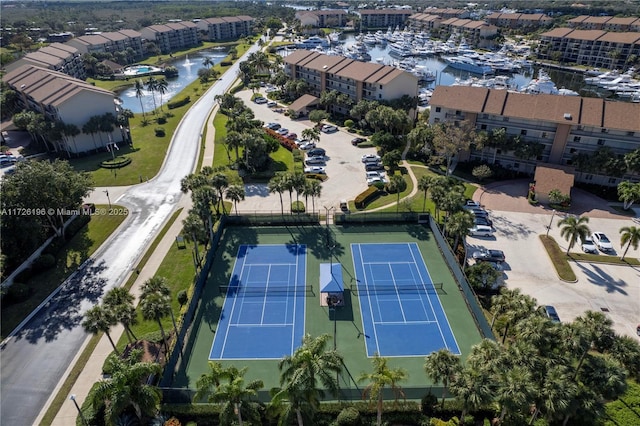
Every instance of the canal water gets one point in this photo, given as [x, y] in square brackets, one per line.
[187, 73]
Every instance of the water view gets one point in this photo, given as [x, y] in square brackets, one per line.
[187, 73]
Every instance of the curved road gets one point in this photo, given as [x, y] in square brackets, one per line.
[35, 357]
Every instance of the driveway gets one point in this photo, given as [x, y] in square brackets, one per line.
[344, 166]
[611, 289]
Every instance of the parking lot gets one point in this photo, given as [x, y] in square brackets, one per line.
[611, 289]
[344, 166]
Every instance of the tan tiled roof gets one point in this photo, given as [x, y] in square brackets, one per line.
[384, 11]
[550, 108]
[58, 50]
[46, 86]
[93, 39]
[585, 34]
[625, 38]
[303, 102]
[553, 176]
[114, 36]
[622, 21]
[359, 71]
[131, 33]
[557, 32]
[578, 19]
[596, 19]
[299, 57]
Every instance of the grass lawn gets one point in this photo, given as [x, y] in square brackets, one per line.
[73, 254]
[599, 258]
[559, 259]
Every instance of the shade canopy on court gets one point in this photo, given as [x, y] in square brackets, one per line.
[331, 278]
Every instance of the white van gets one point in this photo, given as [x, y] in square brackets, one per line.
[481, 231]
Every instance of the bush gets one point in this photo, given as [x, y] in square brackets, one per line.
[179, 103]
[183, 298]
[43, 262]
[428, 404]
[366, 197]
[18, 292]
[297, 207]
[226, 63]
[349, 416]
[348, 123]
[160, 132]
[161, 120]
[317, 176]
[116, 163]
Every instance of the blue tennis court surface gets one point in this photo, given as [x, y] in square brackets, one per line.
[401, 311]
[263, 312]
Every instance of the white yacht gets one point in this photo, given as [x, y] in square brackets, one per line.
[312, 42]
[468, 64]
[544, 85]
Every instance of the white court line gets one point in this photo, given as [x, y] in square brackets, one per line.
[366, 281]
[405, 322]
[404, 317]
[233, 307]
[284, 324]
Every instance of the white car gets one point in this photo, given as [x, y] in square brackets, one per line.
[370, 158]
[315, 161]
[272, 104]
[481, 231]
[315, 169]
[373, 174]
[375, 179]
[588, 246]
[260, 100]
[283, 131]
[601, 241]
[328, 128]
[307, 145]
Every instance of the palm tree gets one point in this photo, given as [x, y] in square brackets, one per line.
[441, 366]
[277, 185]
[554, 393]
[152, 86]
[207, 384]
[471, 388]
[424, 183]
[139, 87]
[630, 237]
[310, 363]
[291, 401]
[312, 134]
[161, 286]
[156, 306]
[119, 302]
[235, 395]
[588, 329]
[397, 184]
[382, 376]
[91, 127]
[458, 226]
[97, 320]
[161, 87]
[574, 228]
[514, 390]
[235, 193]
[208, 62]
[127, 388]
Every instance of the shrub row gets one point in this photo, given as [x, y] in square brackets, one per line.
[366, 197]
[118, 163]
[179, 102]
[226, 63]
[318, 176]
[287, 143]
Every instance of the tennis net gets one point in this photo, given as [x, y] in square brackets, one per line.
[255, 291]
[362, 289]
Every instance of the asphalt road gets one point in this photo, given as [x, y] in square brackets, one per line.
[34, 360]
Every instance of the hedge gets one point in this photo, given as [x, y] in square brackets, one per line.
[287, 143]
[179, 103]
[118, 163]
[366, 197]
[318, 176]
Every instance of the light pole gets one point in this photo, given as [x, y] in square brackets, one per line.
[73, 398]
[551, 222]
[106, 191]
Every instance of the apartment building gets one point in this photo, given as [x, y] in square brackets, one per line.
[606, 23]
[360, 80]
[322, 18]
[384, 18]
[116, 41]
[56, 57]
[564, 125]
[595, 48]
[447, 13]
[520, 21]
[226, 28]
[476, 33]
[424, 22]
[60, 97]
[172, 36]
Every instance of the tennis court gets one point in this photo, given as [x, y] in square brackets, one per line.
[401, 312]
[264, 308]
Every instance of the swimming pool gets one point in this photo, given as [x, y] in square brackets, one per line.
[140, 70]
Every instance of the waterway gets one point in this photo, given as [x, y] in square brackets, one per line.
[187, 73]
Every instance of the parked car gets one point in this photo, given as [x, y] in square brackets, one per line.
[260, 100]
[316, 152]
[357, 141]
[282, 131]
[375, 179]
[315, 161]
[315, 169]
[551, 313]
[602, 241]
[588, 246]
[299, 142]
[307, 145]
[481, 231]
[372, 174]
[370, 158]
[478, 211]
[272, 104]
[292, 136]
[273, 126]
[482, 220]
[373, 167]
[489, 255]
[329, 128]
[471, 203]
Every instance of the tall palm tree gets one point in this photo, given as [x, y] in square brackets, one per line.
[554, 394]
[127, 388]
[471, 388]
[424, 183]
[161, 286]
[397, 184]
[97, 320]
[152, 86]
[235, 193]
[378, 379]
[208, 62]
[514, 390]
[220, 182]
[207, 384]
[311, 363]
[277, 185]
[441, 366]
[292, 401]
[574, 228]
[458, 226]
[315, 190]
[91, 128]
[161, 87]
[630, 237]
[312, 134]
[139, 88]
[588, 329]
[235, 396]
[119, 302]
[156, 306]
[234, 140]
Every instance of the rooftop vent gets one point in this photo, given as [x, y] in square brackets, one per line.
[23, 86]
[324, 67]
[567, 116]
